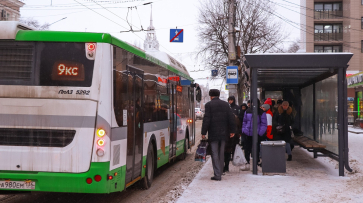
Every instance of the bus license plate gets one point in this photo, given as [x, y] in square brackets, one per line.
[29, 185]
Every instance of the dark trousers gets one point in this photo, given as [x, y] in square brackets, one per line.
[227, 159]
[248, 148]
[217, 148]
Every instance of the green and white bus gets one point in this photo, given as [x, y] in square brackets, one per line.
[87, 112]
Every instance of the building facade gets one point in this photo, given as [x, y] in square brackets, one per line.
[10, 10]
[333, 26]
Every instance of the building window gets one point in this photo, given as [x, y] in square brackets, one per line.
[361, 44]
[329, 28]
[362, 22]
[328, 10]
[328, 6]
[328, 49]
[328, 32]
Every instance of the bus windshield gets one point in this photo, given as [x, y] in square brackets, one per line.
[45, 64]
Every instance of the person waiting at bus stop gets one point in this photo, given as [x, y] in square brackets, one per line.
[219, 123]
[247, 130]
[282, 120]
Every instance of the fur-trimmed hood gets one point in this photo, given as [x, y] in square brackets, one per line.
[288, 111]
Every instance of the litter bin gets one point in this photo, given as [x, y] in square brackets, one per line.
[273, 156]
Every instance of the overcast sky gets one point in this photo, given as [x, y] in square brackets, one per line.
[166, 14]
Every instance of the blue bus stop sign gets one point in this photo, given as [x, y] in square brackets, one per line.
[232, 74]
[214, 73]
[176, 35]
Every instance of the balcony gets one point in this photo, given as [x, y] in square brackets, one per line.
[328, 36]
[328, 15]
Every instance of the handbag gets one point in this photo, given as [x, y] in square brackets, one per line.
[201, 153]
[238, 157]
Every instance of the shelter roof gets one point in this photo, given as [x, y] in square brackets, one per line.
[276, 70]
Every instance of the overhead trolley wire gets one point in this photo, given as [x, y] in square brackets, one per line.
[119, 24]
[101, 15]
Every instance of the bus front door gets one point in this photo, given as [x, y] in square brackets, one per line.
[173, 120]
[135, 124]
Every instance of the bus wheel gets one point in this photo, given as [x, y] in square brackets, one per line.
[150, 166]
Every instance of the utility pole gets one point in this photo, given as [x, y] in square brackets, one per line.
[232, 56]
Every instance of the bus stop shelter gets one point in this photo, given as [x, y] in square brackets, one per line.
[316, 82]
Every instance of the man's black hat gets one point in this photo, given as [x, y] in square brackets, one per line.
[214, 93]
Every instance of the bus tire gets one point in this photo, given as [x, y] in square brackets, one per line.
[150, 167]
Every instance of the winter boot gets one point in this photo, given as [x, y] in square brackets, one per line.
[289, 158]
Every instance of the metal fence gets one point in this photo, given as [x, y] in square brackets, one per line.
[328, 14]
[328, 36]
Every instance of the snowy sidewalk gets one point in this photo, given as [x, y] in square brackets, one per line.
[306, 180]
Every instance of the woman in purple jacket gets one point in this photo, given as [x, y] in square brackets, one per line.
[247, 130]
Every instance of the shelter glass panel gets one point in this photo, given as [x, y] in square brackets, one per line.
[326, 107]
[307, 113]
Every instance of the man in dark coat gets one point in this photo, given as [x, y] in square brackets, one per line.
[220, 124]
[283, 117]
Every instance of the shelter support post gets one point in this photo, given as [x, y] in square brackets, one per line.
[255, 115]
[340, 122]
[314, 114]
[345, 133]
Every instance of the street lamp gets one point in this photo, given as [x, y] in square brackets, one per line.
[57, 21]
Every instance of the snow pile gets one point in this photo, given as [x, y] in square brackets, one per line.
[306, 180]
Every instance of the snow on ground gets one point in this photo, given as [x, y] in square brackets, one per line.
[306, 180]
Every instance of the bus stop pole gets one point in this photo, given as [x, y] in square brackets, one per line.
[254, 106]
[341, 121]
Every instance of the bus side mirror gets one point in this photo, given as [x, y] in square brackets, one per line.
[198, 97]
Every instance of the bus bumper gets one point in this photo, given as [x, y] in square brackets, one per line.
[70, 182]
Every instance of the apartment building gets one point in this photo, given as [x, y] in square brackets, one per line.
[333, 26]
[10, 10]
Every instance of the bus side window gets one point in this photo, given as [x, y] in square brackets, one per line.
[119, 84]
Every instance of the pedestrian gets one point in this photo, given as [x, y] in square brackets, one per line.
[266, 107]
[219, 122]
[249, 104]
[232, 102]
[282, 120]
[247, 129]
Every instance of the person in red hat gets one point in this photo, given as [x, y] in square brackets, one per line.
[266, 107]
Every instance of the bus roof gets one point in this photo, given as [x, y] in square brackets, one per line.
[61, 36]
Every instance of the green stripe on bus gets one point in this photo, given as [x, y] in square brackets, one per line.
[164, 158]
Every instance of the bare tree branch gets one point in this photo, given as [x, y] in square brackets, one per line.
[34, 23]
[260, 32]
